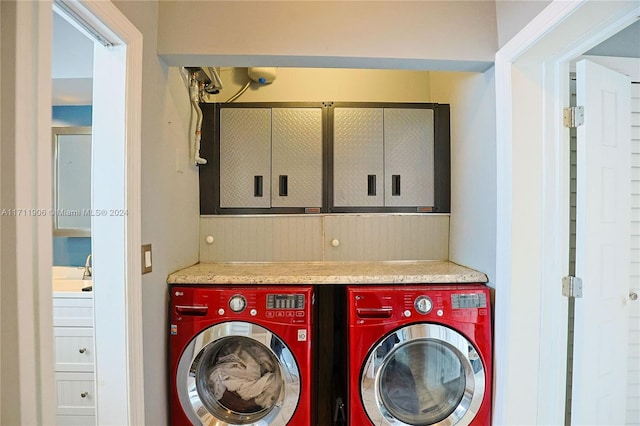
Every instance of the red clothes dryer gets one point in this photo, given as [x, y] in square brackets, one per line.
[419, 355]
[240, 355]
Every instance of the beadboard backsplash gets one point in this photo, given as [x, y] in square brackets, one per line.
[317, 238]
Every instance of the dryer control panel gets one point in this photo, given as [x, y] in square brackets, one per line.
[468, 300]
[386, 305]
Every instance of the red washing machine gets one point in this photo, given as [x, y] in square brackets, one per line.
[240, 355]
[419, 355]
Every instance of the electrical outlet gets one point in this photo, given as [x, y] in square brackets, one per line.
[146, 258]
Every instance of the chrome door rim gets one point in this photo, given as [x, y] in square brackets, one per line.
[190, 400]
[474, 391]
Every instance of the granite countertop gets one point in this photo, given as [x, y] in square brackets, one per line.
[392, 272]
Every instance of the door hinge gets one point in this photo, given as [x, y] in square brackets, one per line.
[572, 287]
[573, 116]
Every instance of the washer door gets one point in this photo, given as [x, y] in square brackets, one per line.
[238, 373]
[422, 374]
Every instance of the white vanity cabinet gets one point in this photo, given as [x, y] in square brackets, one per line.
[73, 335]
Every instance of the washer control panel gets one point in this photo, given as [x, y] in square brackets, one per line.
[285, 301]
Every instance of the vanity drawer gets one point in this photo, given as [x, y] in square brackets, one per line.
[75, 394]
[72, 312]
[75, 420]
[73, 348]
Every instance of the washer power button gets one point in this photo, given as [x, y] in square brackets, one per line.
[423, 304]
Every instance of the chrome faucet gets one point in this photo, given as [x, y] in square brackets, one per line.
[87, 268]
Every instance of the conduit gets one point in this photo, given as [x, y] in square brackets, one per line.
[194, 94]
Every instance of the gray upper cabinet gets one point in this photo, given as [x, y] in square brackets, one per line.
[358, 157]
[245, 157]
[383, 157]
[408, 157]
[271, 157]
[296, 157]
[325, 157]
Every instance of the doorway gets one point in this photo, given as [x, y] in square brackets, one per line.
[115, 207]
[533, 203]
[613, 60]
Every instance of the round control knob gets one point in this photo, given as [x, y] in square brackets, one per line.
[220, 311]
[407, 313]
[335, 243]
[253, 312]
[440, 312]
[209, 239]
[237, 303]
[423, 304]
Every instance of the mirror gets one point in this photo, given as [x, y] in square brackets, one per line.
[72, 181]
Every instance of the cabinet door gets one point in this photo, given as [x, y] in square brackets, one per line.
[408, 157]
[296, 179]
[358, 167]
[245, 157]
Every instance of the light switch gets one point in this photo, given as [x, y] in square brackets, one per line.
[146, 258]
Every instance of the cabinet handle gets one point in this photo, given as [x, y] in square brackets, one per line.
[395, 184]
[257, 186]
[84, 394]
[82, 350]
[284, 185]
[371, 185]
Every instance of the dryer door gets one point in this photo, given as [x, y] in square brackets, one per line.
[422, 374]
[238, 373]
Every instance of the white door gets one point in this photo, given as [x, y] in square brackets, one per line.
[603, 246]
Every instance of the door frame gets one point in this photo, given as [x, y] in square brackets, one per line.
[33, 280]
[116, 240]
[532, 248]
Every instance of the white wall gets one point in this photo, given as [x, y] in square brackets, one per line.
[514, 15]
[473, 166]
[327, 84]
[26, 354]
[458, 35]
[72, 64]
[170, 208]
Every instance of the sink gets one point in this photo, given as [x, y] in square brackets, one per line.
[67, 285]
[67, 272]
[69, 279]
